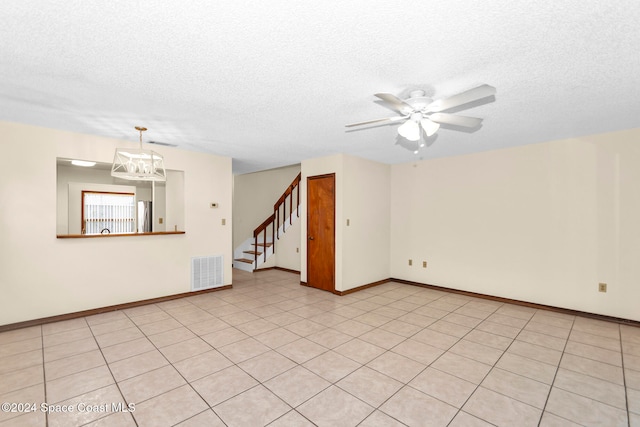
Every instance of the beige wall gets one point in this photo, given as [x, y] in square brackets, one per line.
[362, 197]
[366, 204]
[288, 248]
[174, 191]
[43, 276]
[543, 223]
[254, 195]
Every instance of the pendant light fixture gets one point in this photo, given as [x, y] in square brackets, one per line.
[138, 164]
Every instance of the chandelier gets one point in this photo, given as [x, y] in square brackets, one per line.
[138, 164]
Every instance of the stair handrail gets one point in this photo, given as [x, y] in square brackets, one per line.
[263, 228]
[274, 218]
[295, 184]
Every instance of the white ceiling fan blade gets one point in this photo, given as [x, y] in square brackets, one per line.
[410, 130]
[386, 119]
[470, 95]
[395, 102]
[452, 119]
[429, 127]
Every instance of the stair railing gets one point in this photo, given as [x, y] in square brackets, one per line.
[274, 219]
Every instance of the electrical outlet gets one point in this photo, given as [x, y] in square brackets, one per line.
[348, 222]
[160, 220]
[297, 250]
[424, 264]
[224, 221]
[213, 205]
[410, 262]
[602, 287]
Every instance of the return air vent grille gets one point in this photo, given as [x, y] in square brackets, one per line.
[206, 272]
[166, 144]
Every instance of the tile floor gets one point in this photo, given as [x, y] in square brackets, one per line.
[271, 352]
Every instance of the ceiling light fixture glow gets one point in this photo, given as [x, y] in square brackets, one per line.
[429, 127]
[410, 130]
[83, 163]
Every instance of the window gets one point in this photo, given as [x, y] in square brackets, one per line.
[108, 212]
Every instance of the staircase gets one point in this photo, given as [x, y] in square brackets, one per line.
[254, 251]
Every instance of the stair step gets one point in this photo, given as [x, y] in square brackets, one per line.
[252, 252]
[248, 261]
[268, 245]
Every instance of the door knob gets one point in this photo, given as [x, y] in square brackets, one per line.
[310, 238]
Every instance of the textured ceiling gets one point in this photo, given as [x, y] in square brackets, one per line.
[272, 83]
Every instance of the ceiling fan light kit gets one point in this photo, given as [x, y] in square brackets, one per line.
[410, 130]
[424, 114]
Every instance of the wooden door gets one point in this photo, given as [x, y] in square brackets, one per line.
[321, 236]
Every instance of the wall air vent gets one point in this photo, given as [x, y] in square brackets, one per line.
[206, 272]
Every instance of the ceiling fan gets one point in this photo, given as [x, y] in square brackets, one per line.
[422, 112]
